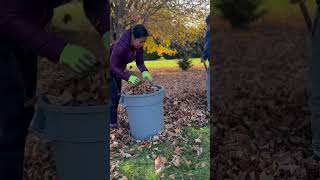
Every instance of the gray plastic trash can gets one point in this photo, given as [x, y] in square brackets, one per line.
[79, 139]
[145, 113]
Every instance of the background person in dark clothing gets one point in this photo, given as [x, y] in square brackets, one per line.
[206, 57]
[22, 38]
[315, 86]
[128, 48]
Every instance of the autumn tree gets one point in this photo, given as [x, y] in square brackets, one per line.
[169, 21]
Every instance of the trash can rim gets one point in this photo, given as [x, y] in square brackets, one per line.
[71, 109]
[145, 95]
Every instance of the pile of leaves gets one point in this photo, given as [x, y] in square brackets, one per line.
[141, 89]
[39, 163]
[64, 87]
[86, 91]
[262, 125]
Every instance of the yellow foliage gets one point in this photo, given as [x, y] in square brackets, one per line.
[166, 27]
[151, 47]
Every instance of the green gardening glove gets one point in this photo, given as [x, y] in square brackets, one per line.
[77, 58]
[106, 39]
[146, 75]
[134, 80]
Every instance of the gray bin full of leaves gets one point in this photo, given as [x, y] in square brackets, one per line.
[78, 136]
[145, 113]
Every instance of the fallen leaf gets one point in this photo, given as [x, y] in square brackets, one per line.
[153, 156]
[159, 165]
[188, 162]
[203, 164]
[123, 178]
[198, 140]
[176, 161]
[252, 175]
[124, 154]
[172, 176]
[199, 151]
[178, 130]
[264, 176]
[178, 150]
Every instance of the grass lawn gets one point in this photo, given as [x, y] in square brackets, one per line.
[163, 64]
[192, 165]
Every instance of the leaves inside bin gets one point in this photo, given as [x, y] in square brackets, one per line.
[141, 89]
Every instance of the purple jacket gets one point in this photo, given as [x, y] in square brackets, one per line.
[123, 53]
[23, 21]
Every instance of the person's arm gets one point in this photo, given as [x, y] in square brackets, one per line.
[15, 26]
[98, 12]
[116, 64]
[140, 61]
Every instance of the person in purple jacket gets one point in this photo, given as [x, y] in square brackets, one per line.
[127, 49]
[23, 37]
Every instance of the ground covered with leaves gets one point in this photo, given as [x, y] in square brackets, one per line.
[262, 130]
[182, 149]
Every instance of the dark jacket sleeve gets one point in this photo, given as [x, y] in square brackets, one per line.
[117, 67]
[14, 25]
[207, 50]
[140, 60]
[98, 12]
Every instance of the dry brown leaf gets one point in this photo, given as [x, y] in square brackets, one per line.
[264, 176]
[178, 150]
[198, 140]
[123, 178]
[176, 160]
[178, 130]
[172, 176]
[159, 164]
[124, 154]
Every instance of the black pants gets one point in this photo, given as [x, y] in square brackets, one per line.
[115, 89]
[18, 77]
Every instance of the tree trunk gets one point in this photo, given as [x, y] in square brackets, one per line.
[119, 15]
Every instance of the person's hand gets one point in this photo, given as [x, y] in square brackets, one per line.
[203, 60]
[146, 75]
[134, 80]
[77, 58]
[106, 39]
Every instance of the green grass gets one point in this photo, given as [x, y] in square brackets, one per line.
[142, 167]
[160, 64]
